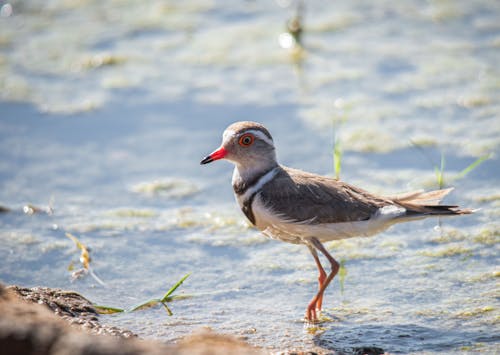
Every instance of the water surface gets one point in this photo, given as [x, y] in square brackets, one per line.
[107, 108]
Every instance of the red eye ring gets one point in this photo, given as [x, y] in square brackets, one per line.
[246, 140]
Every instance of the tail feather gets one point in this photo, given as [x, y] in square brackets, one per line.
[421, 197]
[442, 210]
[427, 203]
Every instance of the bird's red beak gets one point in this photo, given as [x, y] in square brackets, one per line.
[216, 155]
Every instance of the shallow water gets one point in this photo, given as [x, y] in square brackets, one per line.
[107, 108]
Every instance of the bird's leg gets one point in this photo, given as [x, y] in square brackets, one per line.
[321, 276]
[311, 308]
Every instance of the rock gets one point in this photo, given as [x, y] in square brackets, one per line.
[71, 306]
[206, 342]
[44, 321]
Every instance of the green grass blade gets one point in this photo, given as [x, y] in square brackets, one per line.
[342, 275]
[172, 290]
[441, 183]
[107, 310]
[169, 312]
[148, 304]
[440, 172]
[97, 278]
[472, 166]
[177, 298]
[439, 177]
[337, 159]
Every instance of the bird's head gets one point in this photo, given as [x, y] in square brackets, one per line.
[248, 145]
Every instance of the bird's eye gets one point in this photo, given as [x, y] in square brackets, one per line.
[246, 140]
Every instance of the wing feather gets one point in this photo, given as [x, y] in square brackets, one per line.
[299, 197]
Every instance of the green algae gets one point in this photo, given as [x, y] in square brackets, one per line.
[475, 348]
[359, 314]
[57, 245]
[431, 313]
[174, 188]
[100, 60]
[211, 221]
[368, 140]
[488, 236]
[448, 251]
[316, 329]
[488, 198]
[392, 245]
[484, 277]
[423, 141]
[112, 225]
[449, 235]
[319, 325]
[333, 23]
[364, 248]
[22, 238]
[475, 312]
[133, 213]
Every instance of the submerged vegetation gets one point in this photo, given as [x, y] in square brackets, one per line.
[342, 275]
[337, 158]
[439, 170]
[448, 251]
[339, 119]
[175, 188]
[168, 297]
[30, 209]
[84, 259]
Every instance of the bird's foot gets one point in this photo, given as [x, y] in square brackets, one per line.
[312, 311]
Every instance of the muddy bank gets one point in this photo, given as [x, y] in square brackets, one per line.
[70, 306]
[45, 321]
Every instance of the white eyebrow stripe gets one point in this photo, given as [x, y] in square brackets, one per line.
[260, 135]
[229, 134]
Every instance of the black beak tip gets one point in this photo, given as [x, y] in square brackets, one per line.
[206, 160]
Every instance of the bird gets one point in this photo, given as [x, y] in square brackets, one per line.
[299, 207]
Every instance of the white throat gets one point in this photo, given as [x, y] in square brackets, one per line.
[248, 173]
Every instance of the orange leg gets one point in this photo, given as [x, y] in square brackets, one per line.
[316, 302]
[321, 277]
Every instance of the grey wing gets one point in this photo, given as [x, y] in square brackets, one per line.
[299, 197]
